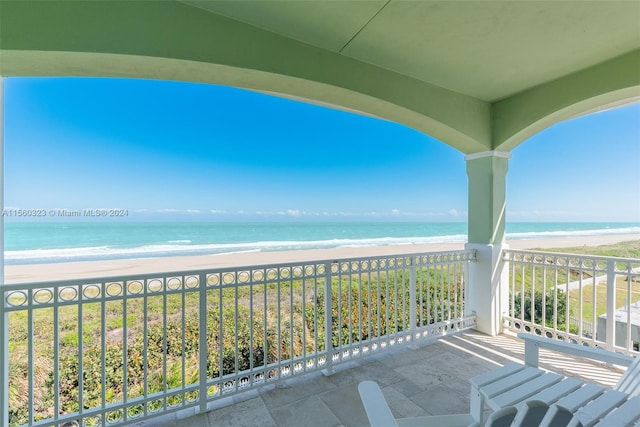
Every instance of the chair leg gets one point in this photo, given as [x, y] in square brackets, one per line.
[477, 405]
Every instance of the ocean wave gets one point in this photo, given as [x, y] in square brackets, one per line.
[186, 247]
[106, 252]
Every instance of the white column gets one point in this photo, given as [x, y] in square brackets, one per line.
[487, 205]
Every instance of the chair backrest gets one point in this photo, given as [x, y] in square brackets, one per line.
[503, 417]
[556, 416]
[630, 382]
[531, 413]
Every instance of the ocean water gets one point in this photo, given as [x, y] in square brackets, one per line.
[42, 242]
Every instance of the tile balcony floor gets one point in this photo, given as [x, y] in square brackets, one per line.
[430, 380]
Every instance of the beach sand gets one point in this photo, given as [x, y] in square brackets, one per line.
[77, 270]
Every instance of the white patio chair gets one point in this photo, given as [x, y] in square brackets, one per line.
[530, 396]
[380, 414]
[572, 402]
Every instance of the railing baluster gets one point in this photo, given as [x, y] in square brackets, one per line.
[611, 304]
[56, 357]
[236, 311]
[359, 285]
[292, 354]
[555, 293]
[387, 320]
[279, 320]
[628, 307]
[125, 339]
[103, 346]
[328, 343]
[412, 299]
[420, 281]
[350, 302]
[183, 335]
[594, 313]
[30, 358]
[145, 345]
[80, 351]
[202, 342]
[265, 310]
[544, 296]
[251, 331]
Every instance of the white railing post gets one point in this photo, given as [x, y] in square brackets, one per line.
[328, 343]
[412, 299]
[202, 342]
[610, 327]
[486, 297]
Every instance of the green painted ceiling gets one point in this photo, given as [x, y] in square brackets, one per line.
[486, 49]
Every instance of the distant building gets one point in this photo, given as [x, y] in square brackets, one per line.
[622, 314]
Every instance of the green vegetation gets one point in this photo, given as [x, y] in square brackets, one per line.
[534, 312]
[629, 249]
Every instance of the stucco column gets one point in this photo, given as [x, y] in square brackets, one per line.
[487, 173]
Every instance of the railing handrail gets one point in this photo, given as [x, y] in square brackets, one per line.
[573, 255]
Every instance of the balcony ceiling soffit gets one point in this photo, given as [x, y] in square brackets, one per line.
[485, 49]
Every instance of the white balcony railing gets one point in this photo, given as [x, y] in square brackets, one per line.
[119, 350]
[591, 300]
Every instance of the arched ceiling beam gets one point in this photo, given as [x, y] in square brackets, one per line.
[609, 84]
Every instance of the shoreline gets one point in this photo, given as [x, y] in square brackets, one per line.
[23, 273]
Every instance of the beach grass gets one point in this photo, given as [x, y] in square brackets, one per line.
[629, 249]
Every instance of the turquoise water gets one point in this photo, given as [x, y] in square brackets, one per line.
[78, 241]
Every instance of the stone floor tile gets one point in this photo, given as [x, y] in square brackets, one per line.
[308, 412]
[199, 420]
[401, 406]
[408, 388]
[459, 386]
[425, 375]
[345, 403]
[292, 390]
[249, 413]
[408, 357]
[375, 371]
[441, 400]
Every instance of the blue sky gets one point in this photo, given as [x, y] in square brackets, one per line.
[184, 151]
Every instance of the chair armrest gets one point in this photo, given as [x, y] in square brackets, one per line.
[375, 405]
[533, 342]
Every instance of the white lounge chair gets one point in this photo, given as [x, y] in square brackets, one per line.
[570, 399]
[379, 414]
[524, 395]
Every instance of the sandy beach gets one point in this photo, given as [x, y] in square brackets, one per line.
[77, 270]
